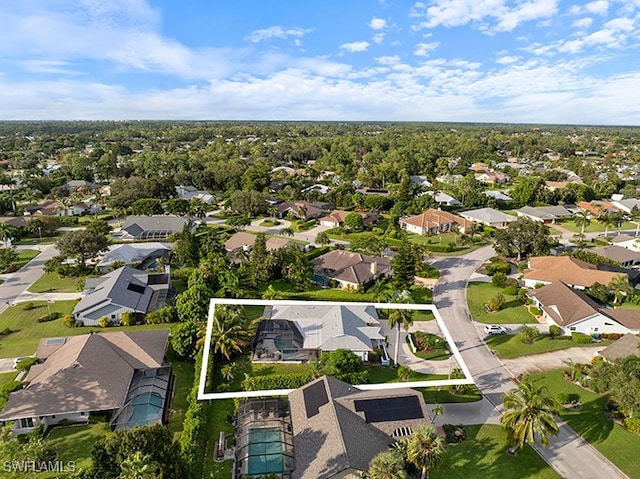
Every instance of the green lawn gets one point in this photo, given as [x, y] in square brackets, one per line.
[612, 440]
[595, 227]
[36, 241]
[443, 395]
[53, 283]
[73, 443]
[437, 351]
[28, 332]
[483, 454]
[184, 372]
[511, 345]
[513, 311]
[270, 223]
[24, 256]
[4, 379]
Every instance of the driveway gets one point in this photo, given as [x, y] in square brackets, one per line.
[536, 363]
[568, 454]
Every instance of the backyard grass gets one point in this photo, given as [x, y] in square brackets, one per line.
[28, 331]
[184, 372]
[595, 227]
[511, 346]
[4, 379]
[24, 256]
[36, 241]
[513, 311]
[53, 283]
[73, 443]
[612, 440]
[483, 454]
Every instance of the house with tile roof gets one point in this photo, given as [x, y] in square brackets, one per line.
[571, 271]
[349, 270]
[122, 374]
[243, 241]
[123, 290]
[573, 310]
[434, 221]
[141, 255]
[303, 210]
[627, 241]
[302, 333]
[597, 208]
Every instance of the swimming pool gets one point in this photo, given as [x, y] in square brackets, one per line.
[147, 408]
[284, 344]
[265, 451]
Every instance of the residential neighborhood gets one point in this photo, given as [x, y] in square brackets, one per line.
[362, 297]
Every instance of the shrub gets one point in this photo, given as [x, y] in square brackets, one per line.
[499, 280]
[496, 303]
[612, 336]
[498, 266]
[103, 322]
[28, 306]
[535, 311]
[276, 381]
[632, 424]
[26, 364]
[342, 361]
[49, 317]
[98, 418]
[166, 314]
[9, 387]
[562, 398]
[522, 295]
[529, 333]
[128, 318]
[69, 321]
[361, 377]
[555, 331]
[581, 338]
[373, 357]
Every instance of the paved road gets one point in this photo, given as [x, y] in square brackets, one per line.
[16, 284]
[568, 454]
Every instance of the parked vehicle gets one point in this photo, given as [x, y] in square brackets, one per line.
[495, 329]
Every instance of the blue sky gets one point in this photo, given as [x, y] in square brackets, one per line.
[524, 61]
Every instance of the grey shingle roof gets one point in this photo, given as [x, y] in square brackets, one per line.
[137, 225]
[627, 345]
[337, 438]
[91, 372]
[120, 287]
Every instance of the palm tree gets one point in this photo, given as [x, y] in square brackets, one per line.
[387, 465]
[618, 220]
[286, 231]
[425, 449]
[634, 215]
[322, 238]
[378, 291]
[398, 317]
[583, 219]
[605, 219]
[620, 287]
[230, 331]
[7, 232]
[529, 415]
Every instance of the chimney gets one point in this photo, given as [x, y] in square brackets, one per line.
[374, 268]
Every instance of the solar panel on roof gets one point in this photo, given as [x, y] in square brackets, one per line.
[390, 409]
[315, 396]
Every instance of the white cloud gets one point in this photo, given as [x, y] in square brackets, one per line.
[276, 31]
[507, 59]
[378, 38]
[423, 49]
[355, 47]
[489, 15]
[388, 60]
[377, 23]
[57, 67]
[599, 7]
[583, 22]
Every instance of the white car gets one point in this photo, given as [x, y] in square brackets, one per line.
[17, 360]
[495, 329]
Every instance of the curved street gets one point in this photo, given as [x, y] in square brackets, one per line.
[568, 454]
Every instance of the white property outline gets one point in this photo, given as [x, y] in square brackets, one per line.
[202, 395]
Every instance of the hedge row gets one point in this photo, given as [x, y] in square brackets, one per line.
[276, 381]
[195, 434]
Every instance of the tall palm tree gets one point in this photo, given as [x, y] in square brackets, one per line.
[288, 231]
[397, 318]
[529, 414]
[583, 219]
[605, 219]
[387, 465]
[425, 449]
[322, 238]
[378, 291]
[618, 220]
[634, 215]
[7, 232]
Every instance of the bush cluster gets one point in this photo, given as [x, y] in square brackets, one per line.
[581, 338]
[498, 266]
[49, 317]
[277, 381]
[632, 424]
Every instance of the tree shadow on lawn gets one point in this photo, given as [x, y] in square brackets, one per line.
[589, 420]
